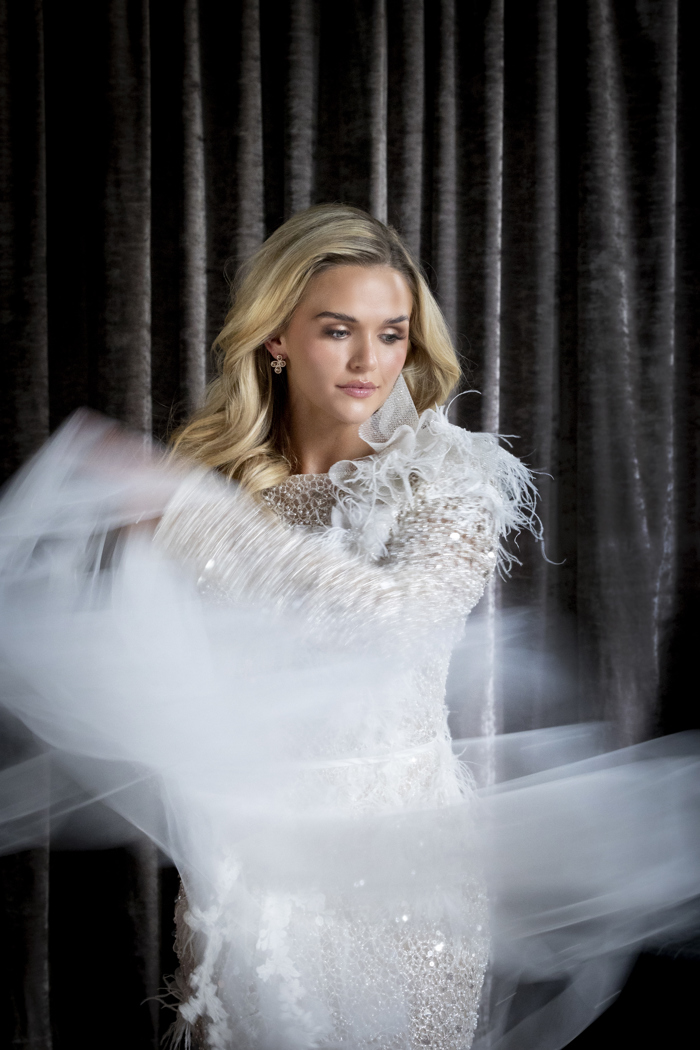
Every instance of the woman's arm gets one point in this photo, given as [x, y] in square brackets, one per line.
[439, 557]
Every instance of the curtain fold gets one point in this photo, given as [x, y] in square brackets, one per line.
[444, 221]
[125, 376]
[24, 393]
[541, 160]
[405, 133]
[194, 242]
[377, 87]
[493, 218]
[300, 112]
[250, 218]
[627, 341]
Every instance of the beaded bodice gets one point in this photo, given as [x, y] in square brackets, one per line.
[304, 499]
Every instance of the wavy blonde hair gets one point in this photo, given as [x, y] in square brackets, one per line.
[239, 430]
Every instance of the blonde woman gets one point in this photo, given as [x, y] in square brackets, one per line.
[256, 678]
[241, 644]
[385, 523]
[254, 675]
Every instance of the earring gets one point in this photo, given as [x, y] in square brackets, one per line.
[278, 364]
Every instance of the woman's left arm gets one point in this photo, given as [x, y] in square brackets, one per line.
[439, 557]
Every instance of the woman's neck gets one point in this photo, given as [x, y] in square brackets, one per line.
[318, 443]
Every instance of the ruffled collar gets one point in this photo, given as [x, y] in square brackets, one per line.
[406, 447]
[412, 451]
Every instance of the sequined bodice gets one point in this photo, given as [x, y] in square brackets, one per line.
[304, 499]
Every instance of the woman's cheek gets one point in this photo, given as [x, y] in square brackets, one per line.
[323, 361]
[399, 360]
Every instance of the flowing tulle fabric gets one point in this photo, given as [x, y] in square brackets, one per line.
[197, 723]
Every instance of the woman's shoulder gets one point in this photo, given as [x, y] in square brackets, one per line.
[446, 456]
[476, 464]
[440, 461]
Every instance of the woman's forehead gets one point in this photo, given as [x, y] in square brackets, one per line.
[358, 292]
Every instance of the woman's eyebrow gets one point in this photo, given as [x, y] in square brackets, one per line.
[338, 317]
[353, 320]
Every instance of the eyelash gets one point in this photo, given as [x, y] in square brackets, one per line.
[389, 339]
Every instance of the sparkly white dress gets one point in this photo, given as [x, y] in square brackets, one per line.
[398, 546]
[260, 690]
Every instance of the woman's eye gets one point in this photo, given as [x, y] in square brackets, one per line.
[337, 333]
[390, 337]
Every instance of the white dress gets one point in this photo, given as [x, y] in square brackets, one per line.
[261, 692]
[401, 544]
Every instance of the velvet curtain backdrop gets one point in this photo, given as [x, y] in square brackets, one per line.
[540, 158]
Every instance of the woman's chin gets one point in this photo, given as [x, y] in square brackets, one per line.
[353, 410]
[358, 414]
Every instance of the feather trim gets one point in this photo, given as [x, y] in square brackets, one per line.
[444, 460]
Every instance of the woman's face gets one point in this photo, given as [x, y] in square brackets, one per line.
[346, 342]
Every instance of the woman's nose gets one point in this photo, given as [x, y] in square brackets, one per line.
[364, 358]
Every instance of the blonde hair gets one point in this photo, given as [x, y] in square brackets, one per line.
[239, 430]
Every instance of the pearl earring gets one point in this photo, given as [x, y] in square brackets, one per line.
[278, 364]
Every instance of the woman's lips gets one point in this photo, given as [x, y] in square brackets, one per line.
[358, 389]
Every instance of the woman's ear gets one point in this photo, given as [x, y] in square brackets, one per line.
[274, 345]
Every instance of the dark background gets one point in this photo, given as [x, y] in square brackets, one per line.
[541, 159]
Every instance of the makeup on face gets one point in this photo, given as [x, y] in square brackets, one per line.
[357, 389]
[347, 342]
[344, 348]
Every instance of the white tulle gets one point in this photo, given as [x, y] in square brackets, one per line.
[204, 723]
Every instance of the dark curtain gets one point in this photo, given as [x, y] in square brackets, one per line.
[540, 158]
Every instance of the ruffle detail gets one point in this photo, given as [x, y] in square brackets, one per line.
[429, 453]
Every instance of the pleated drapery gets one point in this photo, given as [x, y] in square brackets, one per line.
[540, 159]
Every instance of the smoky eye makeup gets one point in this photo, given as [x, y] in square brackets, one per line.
[339, 332]
[391, 337]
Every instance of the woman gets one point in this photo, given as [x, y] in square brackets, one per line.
[387, 521]
[243, 647]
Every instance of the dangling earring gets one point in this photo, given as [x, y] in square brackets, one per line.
[278, 364]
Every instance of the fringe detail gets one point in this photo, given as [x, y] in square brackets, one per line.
[185, 1033]
[180, 1035]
